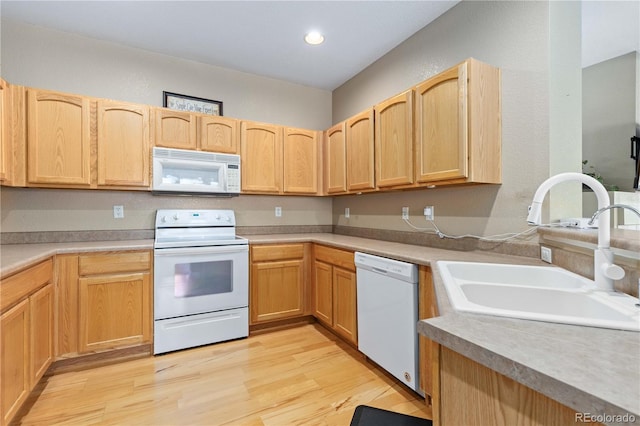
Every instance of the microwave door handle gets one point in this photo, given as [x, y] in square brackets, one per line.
[201, 250]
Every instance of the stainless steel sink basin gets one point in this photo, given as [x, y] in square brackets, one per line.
[536, 293]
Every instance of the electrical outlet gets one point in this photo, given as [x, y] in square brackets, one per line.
[346, 212]
[545, 254]
[278, 211]
[118, 212]
[405, 212]
[429, 213]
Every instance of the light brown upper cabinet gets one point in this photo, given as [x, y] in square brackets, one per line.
[68, 149]
[360, 151]
[278, 160]
[301, 161]
[335, 160]
[58, 139]
[123, 145]
[218, 134]
[12, 135]
[4, 140]
[394, 141]
[202, 132]
[458, 129]
[175, 129]
[261, 157]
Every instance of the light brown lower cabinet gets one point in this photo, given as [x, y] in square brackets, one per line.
[105, 301]
[14, 376]
[114, 300]
[277, 288]
[460, 391]
[427, 308]
[335, 291]
[114, 311]
[26, 335]
[472, 394]
[41, 317]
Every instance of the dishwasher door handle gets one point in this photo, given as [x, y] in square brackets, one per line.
[378, 270]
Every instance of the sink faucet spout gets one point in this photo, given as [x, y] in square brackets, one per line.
[613, 206]
[604, 269]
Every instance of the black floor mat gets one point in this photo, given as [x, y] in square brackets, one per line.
[370, 416]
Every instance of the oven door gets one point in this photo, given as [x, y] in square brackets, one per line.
[200, 279]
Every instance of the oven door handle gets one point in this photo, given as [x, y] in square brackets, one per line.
[201, 250]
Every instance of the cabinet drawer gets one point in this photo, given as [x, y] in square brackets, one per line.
[277, 252]
[333, 256]
[24, 283]
[114, 262]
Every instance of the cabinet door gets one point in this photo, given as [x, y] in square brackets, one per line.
[218, 134]
[394, 140]
[345, 314]
[300, 157]
[427, 308]
[175, 129]
[41, 326]
[335, 159]
[4, 140]
[261, 156]
[441, 124]
[114, 311]
[123, 144]
[67, 319]
[323, 275]
[14, 361]
[277, 290]
[360, 165]
[58, 138]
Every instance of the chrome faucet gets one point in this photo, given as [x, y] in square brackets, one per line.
[604, 270]
[613, 206]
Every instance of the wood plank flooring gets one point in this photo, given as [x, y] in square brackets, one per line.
[298, 376]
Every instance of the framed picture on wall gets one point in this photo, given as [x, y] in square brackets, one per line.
[191, 103]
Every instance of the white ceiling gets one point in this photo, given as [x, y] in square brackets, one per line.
[266, 37]
[609, 29]
[258, 37]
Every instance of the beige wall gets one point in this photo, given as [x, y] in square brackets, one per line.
[513, 36]
[33, 209]
[39, 57]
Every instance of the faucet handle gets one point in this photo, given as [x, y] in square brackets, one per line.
[613, 272]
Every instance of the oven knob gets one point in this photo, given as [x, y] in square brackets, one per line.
[163, 219]
[217, 217]
[176, 217]
[227, 218]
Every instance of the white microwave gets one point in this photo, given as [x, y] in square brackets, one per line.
[195, 172]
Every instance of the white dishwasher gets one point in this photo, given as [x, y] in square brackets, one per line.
[388, 315]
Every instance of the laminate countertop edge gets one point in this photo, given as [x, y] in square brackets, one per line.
[16, 257]
[588, 369]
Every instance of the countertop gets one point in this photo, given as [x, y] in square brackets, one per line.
[588, 369]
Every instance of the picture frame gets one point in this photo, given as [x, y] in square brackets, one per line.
[180, 102]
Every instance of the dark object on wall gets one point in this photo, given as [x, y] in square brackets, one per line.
[191, 103]
[635, 154]
[370, 416]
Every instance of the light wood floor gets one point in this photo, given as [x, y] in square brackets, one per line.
[297, 376]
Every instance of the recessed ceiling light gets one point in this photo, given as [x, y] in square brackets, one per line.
[314, 37]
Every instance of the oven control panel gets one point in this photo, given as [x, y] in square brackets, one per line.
[194, 218]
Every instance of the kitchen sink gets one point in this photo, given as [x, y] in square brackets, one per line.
[542, 293]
